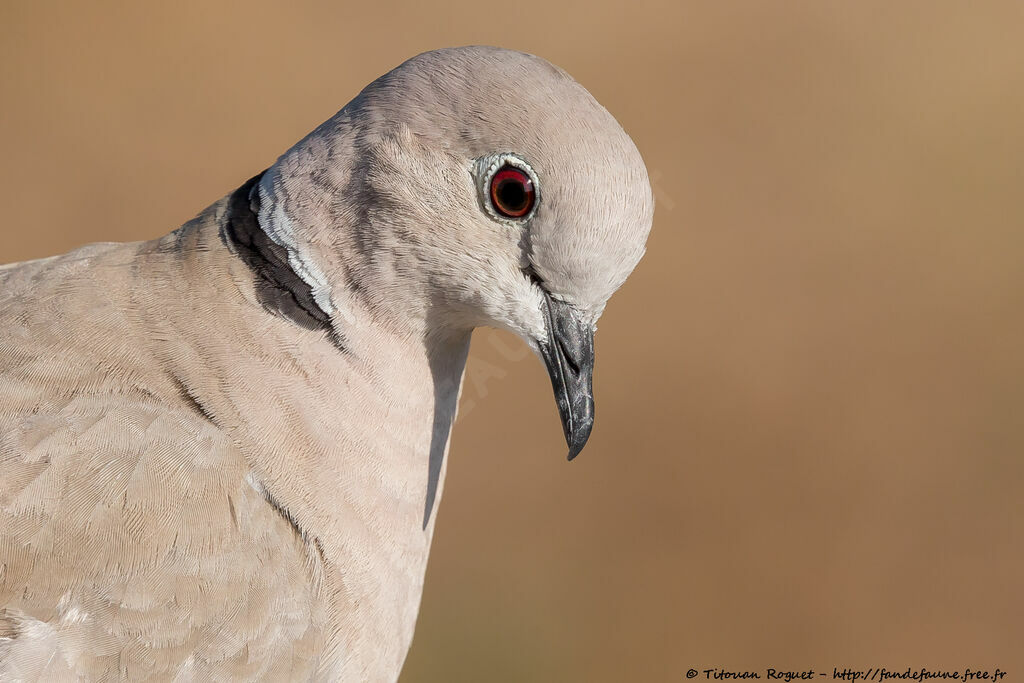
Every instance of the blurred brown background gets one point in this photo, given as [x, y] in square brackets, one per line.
[808, 450]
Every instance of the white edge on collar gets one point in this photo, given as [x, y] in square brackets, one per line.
[274, 221]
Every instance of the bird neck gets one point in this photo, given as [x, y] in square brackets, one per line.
[351, 257]
[345, 428]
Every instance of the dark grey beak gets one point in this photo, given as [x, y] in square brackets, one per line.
[568, 353]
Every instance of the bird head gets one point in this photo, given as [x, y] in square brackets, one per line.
[470, 187]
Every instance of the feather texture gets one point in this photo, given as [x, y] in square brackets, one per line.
[221, 452]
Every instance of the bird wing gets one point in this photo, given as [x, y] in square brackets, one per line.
[132, 544]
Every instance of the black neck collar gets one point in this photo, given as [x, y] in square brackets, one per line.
[280, 290]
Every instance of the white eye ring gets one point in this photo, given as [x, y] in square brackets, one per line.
[484, 169]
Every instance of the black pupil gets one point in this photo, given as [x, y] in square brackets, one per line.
[512, 194]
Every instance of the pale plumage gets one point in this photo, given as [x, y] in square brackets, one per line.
[221, 451]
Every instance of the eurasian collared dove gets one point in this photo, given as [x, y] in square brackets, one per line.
[221, 451]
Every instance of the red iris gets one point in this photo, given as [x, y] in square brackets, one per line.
[512, 192]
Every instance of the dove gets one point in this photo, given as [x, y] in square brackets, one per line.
[222, 451]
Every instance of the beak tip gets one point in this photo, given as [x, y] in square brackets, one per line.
[578, 440]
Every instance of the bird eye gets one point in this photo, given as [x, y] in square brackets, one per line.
[512, 193]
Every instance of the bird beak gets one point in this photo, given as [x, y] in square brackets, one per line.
[568, 353]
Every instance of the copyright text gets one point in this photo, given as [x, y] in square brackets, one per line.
[877, 675]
